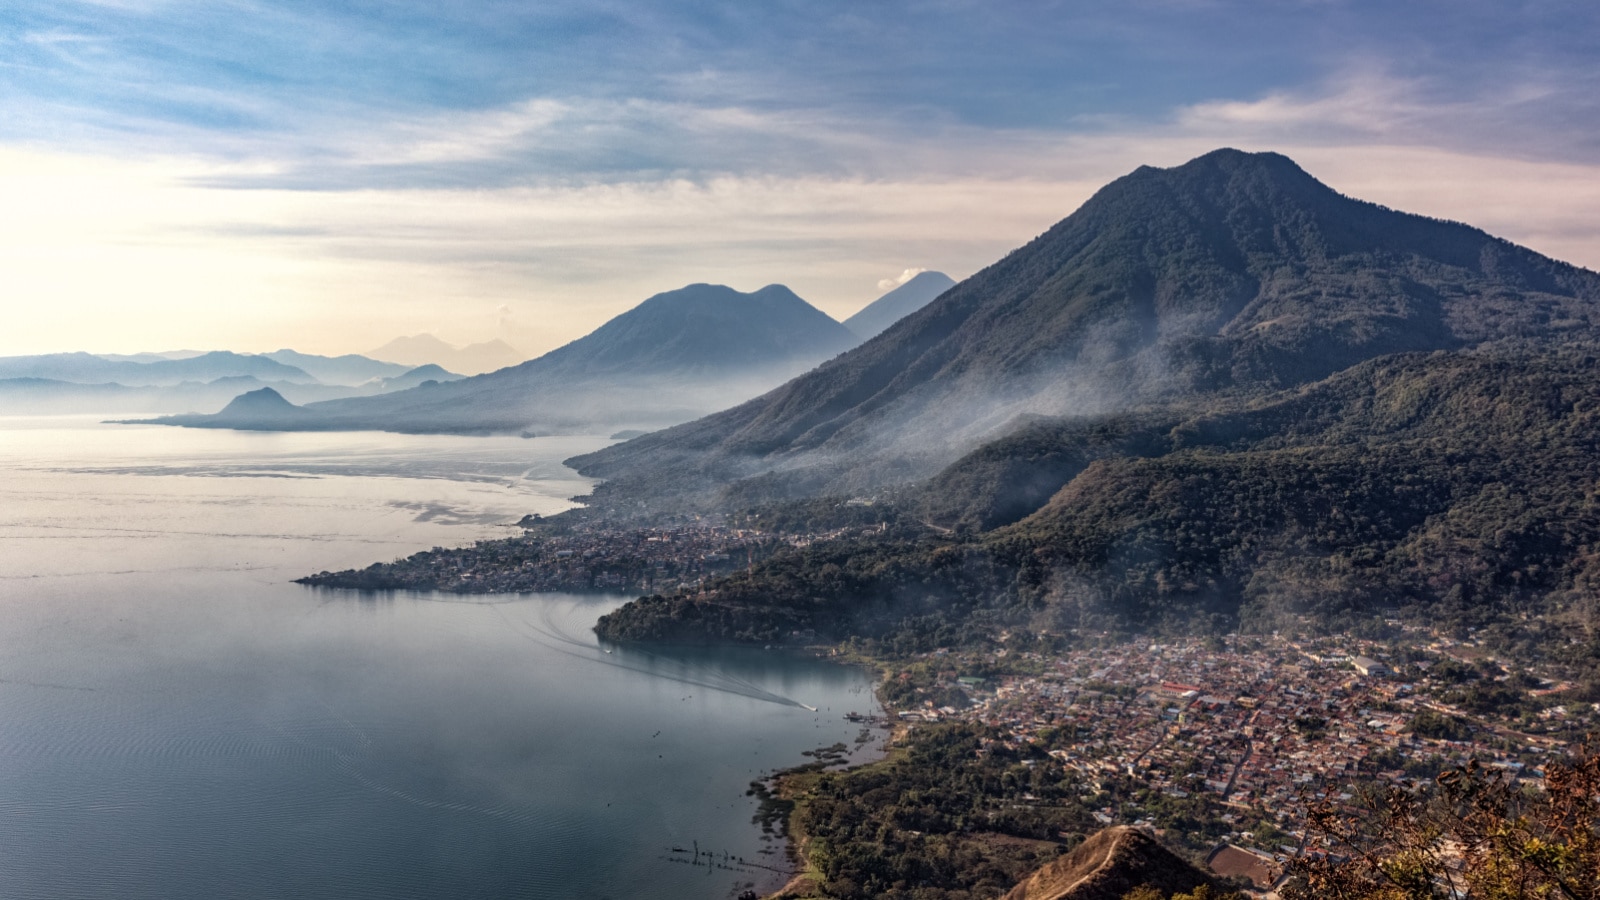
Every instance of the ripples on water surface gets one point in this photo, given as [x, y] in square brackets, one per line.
[178, 720]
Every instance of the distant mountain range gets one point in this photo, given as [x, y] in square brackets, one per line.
[153, 357]
[85, 368]
[349, 369]
[677, 355]
[473, 359]
[190, 380]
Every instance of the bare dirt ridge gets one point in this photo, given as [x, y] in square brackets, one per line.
[1108, 865]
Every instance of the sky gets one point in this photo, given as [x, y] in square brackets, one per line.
[330, 175]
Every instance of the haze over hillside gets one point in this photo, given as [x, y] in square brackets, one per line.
[1284, 406]
[675, 356]
[1234, 273]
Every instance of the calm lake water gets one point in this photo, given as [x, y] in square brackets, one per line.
[179, 720]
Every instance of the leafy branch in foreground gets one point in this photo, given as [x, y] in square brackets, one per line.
[1475, 834]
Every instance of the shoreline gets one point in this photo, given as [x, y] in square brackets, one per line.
[789, 785]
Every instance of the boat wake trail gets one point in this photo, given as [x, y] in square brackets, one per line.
[549, 634]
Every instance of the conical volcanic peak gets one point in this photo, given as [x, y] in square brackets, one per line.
[917, 292]
[704, 328]
[261, 402]
[1235, 272]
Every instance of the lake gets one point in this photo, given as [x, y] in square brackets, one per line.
[179, 720]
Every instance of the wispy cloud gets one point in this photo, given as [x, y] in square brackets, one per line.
[58, 36]
[1534, 115]
[889, 284]
[155, 247]
[259, 172]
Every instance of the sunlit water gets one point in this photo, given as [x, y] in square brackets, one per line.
[179, 720]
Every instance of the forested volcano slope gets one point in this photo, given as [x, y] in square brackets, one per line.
[1233, 275]
[1463, 484]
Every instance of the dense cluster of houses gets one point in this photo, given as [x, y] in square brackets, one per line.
[1260, 726]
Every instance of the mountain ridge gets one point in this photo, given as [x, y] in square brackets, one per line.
[348, 369]
[1110, 864]
[1234, 272]
[678, 331]
[86, 368]
[677, 355]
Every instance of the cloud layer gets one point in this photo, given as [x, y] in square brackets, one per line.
[258, 175]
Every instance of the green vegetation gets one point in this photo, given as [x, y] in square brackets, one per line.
[1430, 724]
[957, 812]
[952, 815]
[1502, 701]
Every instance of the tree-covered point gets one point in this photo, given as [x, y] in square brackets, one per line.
[1430, 724]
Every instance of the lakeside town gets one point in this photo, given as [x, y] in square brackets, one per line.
[1216, 743]
[1240, 733]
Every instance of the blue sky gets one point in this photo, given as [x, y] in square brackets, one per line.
[329, 174]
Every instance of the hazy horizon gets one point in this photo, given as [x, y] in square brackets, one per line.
[459, 353]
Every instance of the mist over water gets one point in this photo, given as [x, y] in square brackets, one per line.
[179, 720]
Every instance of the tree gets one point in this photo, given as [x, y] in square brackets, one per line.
[1474, 833]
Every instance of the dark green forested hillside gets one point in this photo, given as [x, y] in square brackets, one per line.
[1467, 484]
